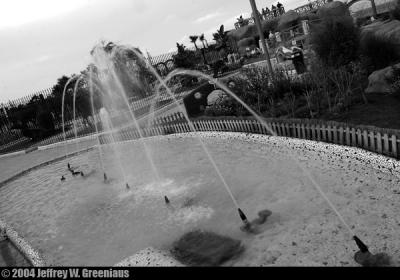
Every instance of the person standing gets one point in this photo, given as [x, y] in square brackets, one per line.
[310, 5]
[298, 60]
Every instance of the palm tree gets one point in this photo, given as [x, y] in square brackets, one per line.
[221, 38]
[193, 39]
[203, 49]
[202, 39]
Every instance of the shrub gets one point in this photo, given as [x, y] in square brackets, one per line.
[185, 58]
[378, 51]
[395, 12]
[270, 25]
[335, 40]
[334, 88]
[261, 90]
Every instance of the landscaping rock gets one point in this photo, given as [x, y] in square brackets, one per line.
[202, 248]
[368, 259]
[288, 19]
[248, 31]
[389, 30]
[215, 97]
[380, 81]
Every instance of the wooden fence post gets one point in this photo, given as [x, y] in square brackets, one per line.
[372, 141]
[353, 137]
[365, 140]
[324, 134]
[359, 138]
[303, 131]
[394, 146]
[273, 127]
[379, 142]
[386, 144]
[313, 137]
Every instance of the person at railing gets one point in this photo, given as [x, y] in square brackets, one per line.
[281, 9]
[241, 21]
[263, 13]
[274, 11]
[267, 12]
[310, 5]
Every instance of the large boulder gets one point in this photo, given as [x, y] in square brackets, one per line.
[381, 80]
[216, 96]
[201, 248]
[251, 30]
[246, 42]
[333, 9]
[288, 19]
[389, 30]
[243, 32]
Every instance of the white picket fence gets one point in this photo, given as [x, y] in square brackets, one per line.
[375, 141]
[147, 101]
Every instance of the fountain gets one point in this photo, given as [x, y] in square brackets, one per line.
[197, 175]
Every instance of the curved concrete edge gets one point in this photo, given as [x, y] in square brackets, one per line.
[70, 141]
[12, 154]
[24, 247]
[150, 257]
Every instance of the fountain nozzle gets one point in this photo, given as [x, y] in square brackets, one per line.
[244, 218]
[166, 199]
[363, 248]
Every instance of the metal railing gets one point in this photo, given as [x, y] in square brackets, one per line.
[312, 6]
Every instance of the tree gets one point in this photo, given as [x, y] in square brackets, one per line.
[185, 58]
[128, 65]
[395, 12]
[335, 40]
[221, 38]
[203, 49]
[193, 39]
[55, 99]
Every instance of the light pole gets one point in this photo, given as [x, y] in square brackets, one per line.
[260, 32]
[374, 12]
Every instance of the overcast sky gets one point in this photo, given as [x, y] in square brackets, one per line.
[43, 39]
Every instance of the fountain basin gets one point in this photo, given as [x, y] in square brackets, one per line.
[83, 221]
